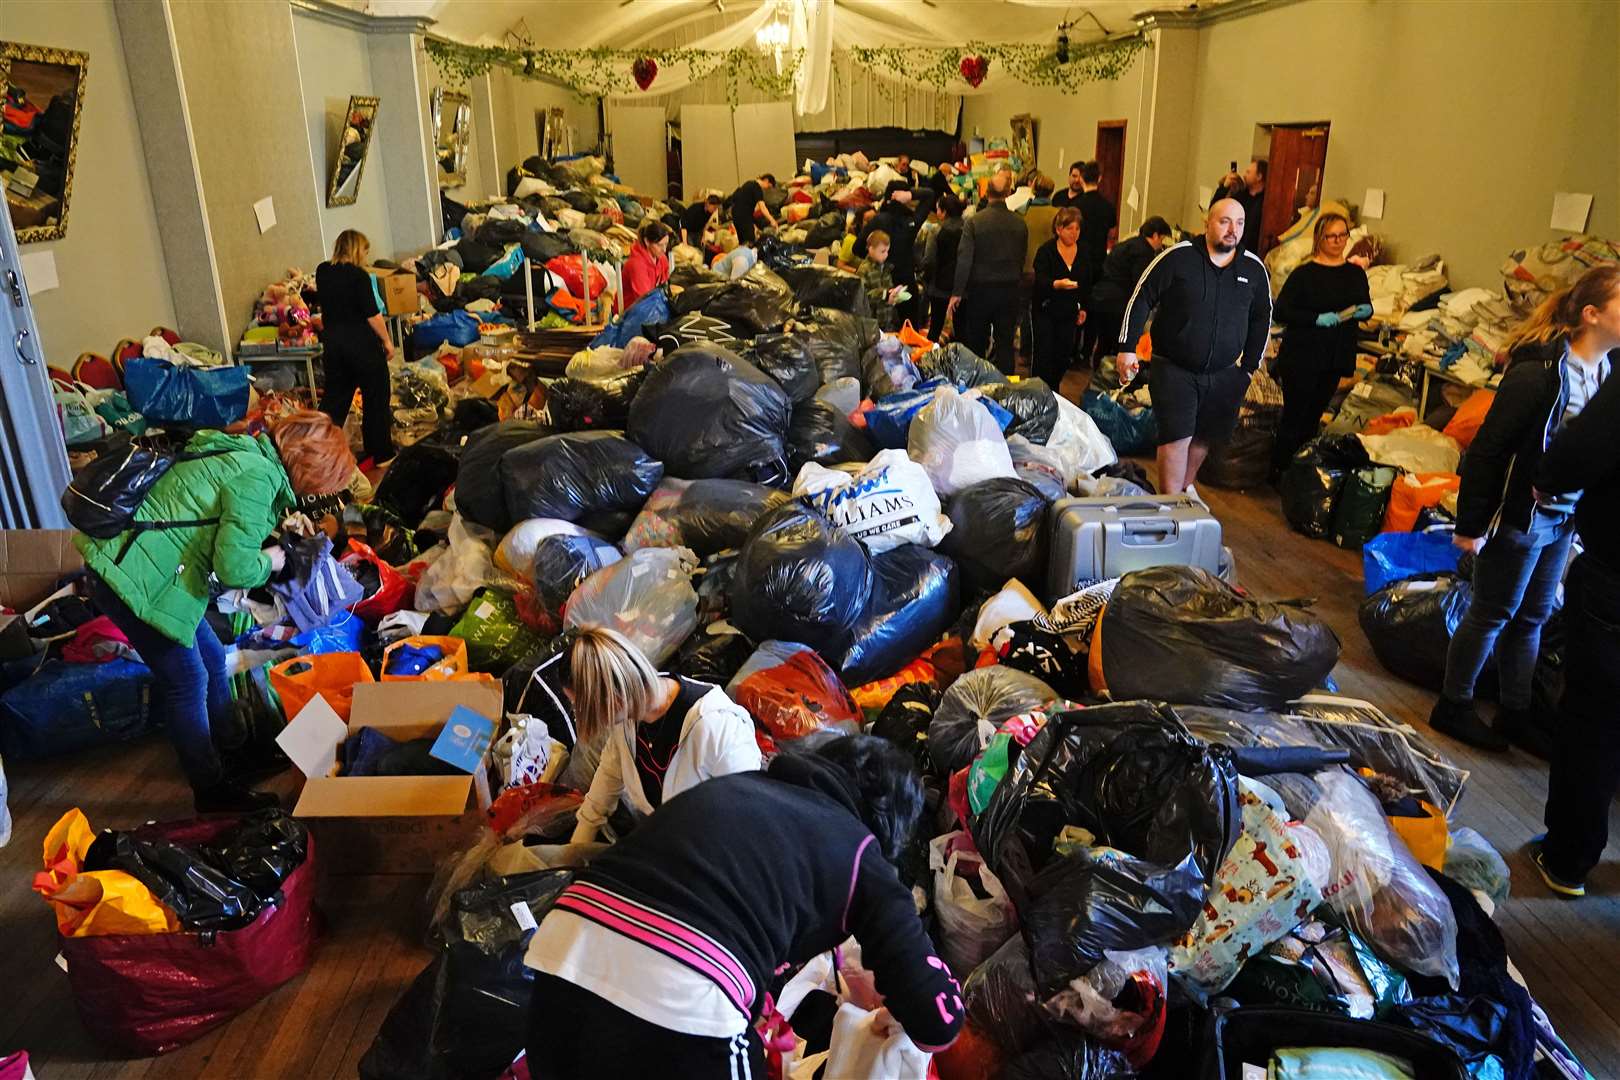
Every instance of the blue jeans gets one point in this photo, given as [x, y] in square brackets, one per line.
[191, 686]
[1516, 580]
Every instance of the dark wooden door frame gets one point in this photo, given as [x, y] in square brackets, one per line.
[1113, 171]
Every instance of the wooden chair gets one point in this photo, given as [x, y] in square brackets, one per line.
[123, 351]
[96, 370]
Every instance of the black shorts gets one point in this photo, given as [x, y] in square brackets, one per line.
[1188, 405]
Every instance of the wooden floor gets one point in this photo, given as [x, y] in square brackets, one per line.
[321, 1023]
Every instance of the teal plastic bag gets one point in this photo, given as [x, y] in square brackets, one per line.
[1132, 431]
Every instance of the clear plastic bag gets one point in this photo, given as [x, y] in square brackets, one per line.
[646, 596]
[971, 926]
[958, 442]
[975, 705]
[1470, 861]
[467, 565]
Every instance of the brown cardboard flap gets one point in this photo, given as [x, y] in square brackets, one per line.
[384, 796]
[414, 710]
[31, 560]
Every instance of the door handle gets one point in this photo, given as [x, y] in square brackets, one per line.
[14, 286]
[18, 342]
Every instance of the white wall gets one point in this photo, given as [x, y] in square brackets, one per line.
[114, 282]
[333, 63]
[1470, 116]
[525, 97]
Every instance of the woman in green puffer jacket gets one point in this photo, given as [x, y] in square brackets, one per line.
[154, 583]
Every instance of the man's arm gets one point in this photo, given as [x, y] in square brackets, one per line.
[1144, 298]
[1254, 348]
[964, 261]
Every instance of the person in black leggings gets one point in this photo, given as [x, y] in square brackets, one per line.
[355, 344]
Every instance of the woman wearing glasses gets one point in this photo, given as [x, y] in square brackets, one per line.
[1318, 307]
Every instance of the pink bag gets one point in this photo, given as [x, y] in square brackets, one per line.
[150, 993]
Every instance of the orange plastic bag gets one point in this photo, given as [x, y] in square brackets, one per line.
[917, 342]
[331, 675]
[1412, 493]
[98, 902]
[452, 668]
[876, 694]
[1383, 425]
[1470, 415]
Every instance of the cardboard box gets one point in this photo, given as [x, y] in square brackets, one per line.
[31, 562]
[400, 824]
[398, 289]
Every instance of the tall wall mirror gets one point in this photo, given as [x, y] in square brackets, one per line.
[452, 126]
[39, 139]
[354, 142]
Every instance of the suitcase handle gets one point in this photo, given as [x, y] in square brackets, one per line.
[1158, 530]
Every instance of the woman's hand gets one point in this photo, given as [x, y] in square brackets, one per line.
[1065, 283]
[277, 557]
[1328, 319]
[1471, 544]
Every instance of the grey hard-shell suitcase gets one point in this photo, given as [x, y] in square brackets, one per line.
[1104, 537]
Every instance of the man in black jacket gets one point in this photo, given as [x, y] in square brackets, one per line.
[1585, 770]
[747, 201]
[1249, 189]
[1211, 308]
[989, 265]
[1121, 271]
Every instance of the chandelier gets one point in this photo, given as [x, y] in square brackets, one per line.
[773, 37]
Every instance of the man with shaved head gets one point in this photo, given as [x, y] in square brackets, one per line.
[1211, 309]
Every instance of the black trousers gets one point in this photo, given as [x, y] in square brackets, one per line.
[1307, 388]
[575, 1035]
[1585, 768]
[1100, 335]
[1055, 334]
[990, 312]
[353, 359]
[936, 316]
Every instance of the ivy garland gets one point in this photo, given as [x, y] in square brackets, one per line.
[1034, 65]
[603, 70]
[596, 72]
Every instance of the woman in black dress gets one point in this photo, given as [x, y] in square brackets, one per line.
[1318, 308]
[1060, 284]
[355, 345]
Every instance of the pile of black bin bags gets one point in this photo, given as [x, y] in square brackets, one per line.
[1137, 835]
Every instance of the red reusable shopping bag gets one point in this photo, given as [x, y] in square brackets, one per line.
[150, 993]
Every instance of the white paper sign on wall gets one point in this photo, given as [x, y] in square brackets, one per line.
[265, 211]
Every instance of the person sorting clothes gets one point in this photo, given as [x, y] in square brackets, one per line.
[656, 960]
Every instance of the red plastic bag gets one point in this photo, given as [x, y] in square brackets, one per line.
[393, 591]
[150, 993]
[570, 269]
[791, 692]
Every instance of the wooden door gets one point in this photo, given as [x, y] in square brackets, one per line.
[1298, 157]
[1111, 160]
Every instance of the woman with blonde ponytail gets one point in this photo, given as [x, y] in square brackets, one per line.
[1519, 535]
[663, 734]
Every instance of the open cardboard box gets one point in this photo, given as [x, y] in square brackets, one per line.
[398, 290]
[398, 824]
[31, 563]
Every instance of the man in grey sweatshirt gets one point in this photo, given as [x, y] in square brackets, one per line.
[989, 264]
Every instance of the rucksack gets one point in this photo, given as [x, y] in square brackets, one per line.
[102, 499]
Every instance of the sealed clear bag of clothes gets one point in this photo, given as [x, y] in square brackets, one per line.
[647, 596]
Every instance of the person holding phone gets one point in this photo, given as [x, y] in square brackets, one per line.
[1249, 189]
[1318, 307]
[1520, 536]
[1061, 281]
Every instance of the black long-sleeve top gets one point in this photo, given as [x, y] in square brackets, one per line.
[1049, 267]
[1121, 271]
[1205, 317]
[346, 295]
[1310, 290]
[1585, 457]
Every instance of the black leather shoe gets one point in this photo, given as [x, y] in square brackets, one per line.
[1462, 722]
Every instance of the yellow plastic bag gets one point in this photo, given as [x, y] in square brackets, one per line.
[97, 902]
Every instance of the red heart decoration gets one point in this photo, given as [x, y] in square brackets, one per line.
[645, 71]
[973, 69]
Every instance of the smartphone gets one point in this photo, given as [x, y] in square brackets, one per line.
[1232, 167]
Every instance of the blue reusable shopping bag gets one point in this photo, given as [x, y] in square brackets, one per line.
[457, 327]
[62, 708]
[1389, 557]
[650, 310]
[199, 397]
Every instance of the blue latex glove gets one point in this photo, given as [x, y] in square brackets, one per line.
[1328, 319]
[1363, 311]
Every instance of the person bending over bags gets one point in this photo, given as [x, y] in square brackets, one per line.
[655, 962]
[663, 734]
[212, 515]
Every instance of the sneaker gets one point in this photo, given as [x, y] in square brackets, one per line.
[229, 796]
[1190, 490]
[1462, 722]
[1527, 730]
[1561, 886]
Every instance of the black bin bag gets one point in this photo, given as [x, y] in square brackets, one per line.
[1409, 624]
[466, 1016]
[1313, 480]
[961, 366]
[419, 476]
[786, 357]
[1133, 776]
[974, 706]
[480, 498]
[574, 476]
[707, 516]
[593, 404]
[818, 432]
[1181, 634]
[998, 531]
[826, 286]
[757, 302]
[838, 339]
[915, 599]
[1033, 405]
[904, 720]
[705, 412]
[800, 578]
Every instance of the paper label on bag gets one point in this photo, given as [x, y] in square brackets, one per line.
[61, 961]
[1254, 1072]
[524, 917]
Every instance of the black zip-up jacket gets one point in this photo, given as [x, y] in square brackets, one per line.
[1120, 273]
[1500, 465]
[1585, 457]
[901, 225]
[774, 867]
[1205, 317]
[941, 264]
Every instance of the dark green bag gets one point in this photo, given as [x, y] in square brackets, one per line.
[1359, 514]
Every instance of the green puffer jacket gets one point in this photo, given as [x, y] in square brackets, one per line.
[163, 576]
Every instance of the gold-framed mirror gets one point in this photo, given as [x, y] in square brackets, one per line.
[39, 140]
[354, 143]
[452, 134]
